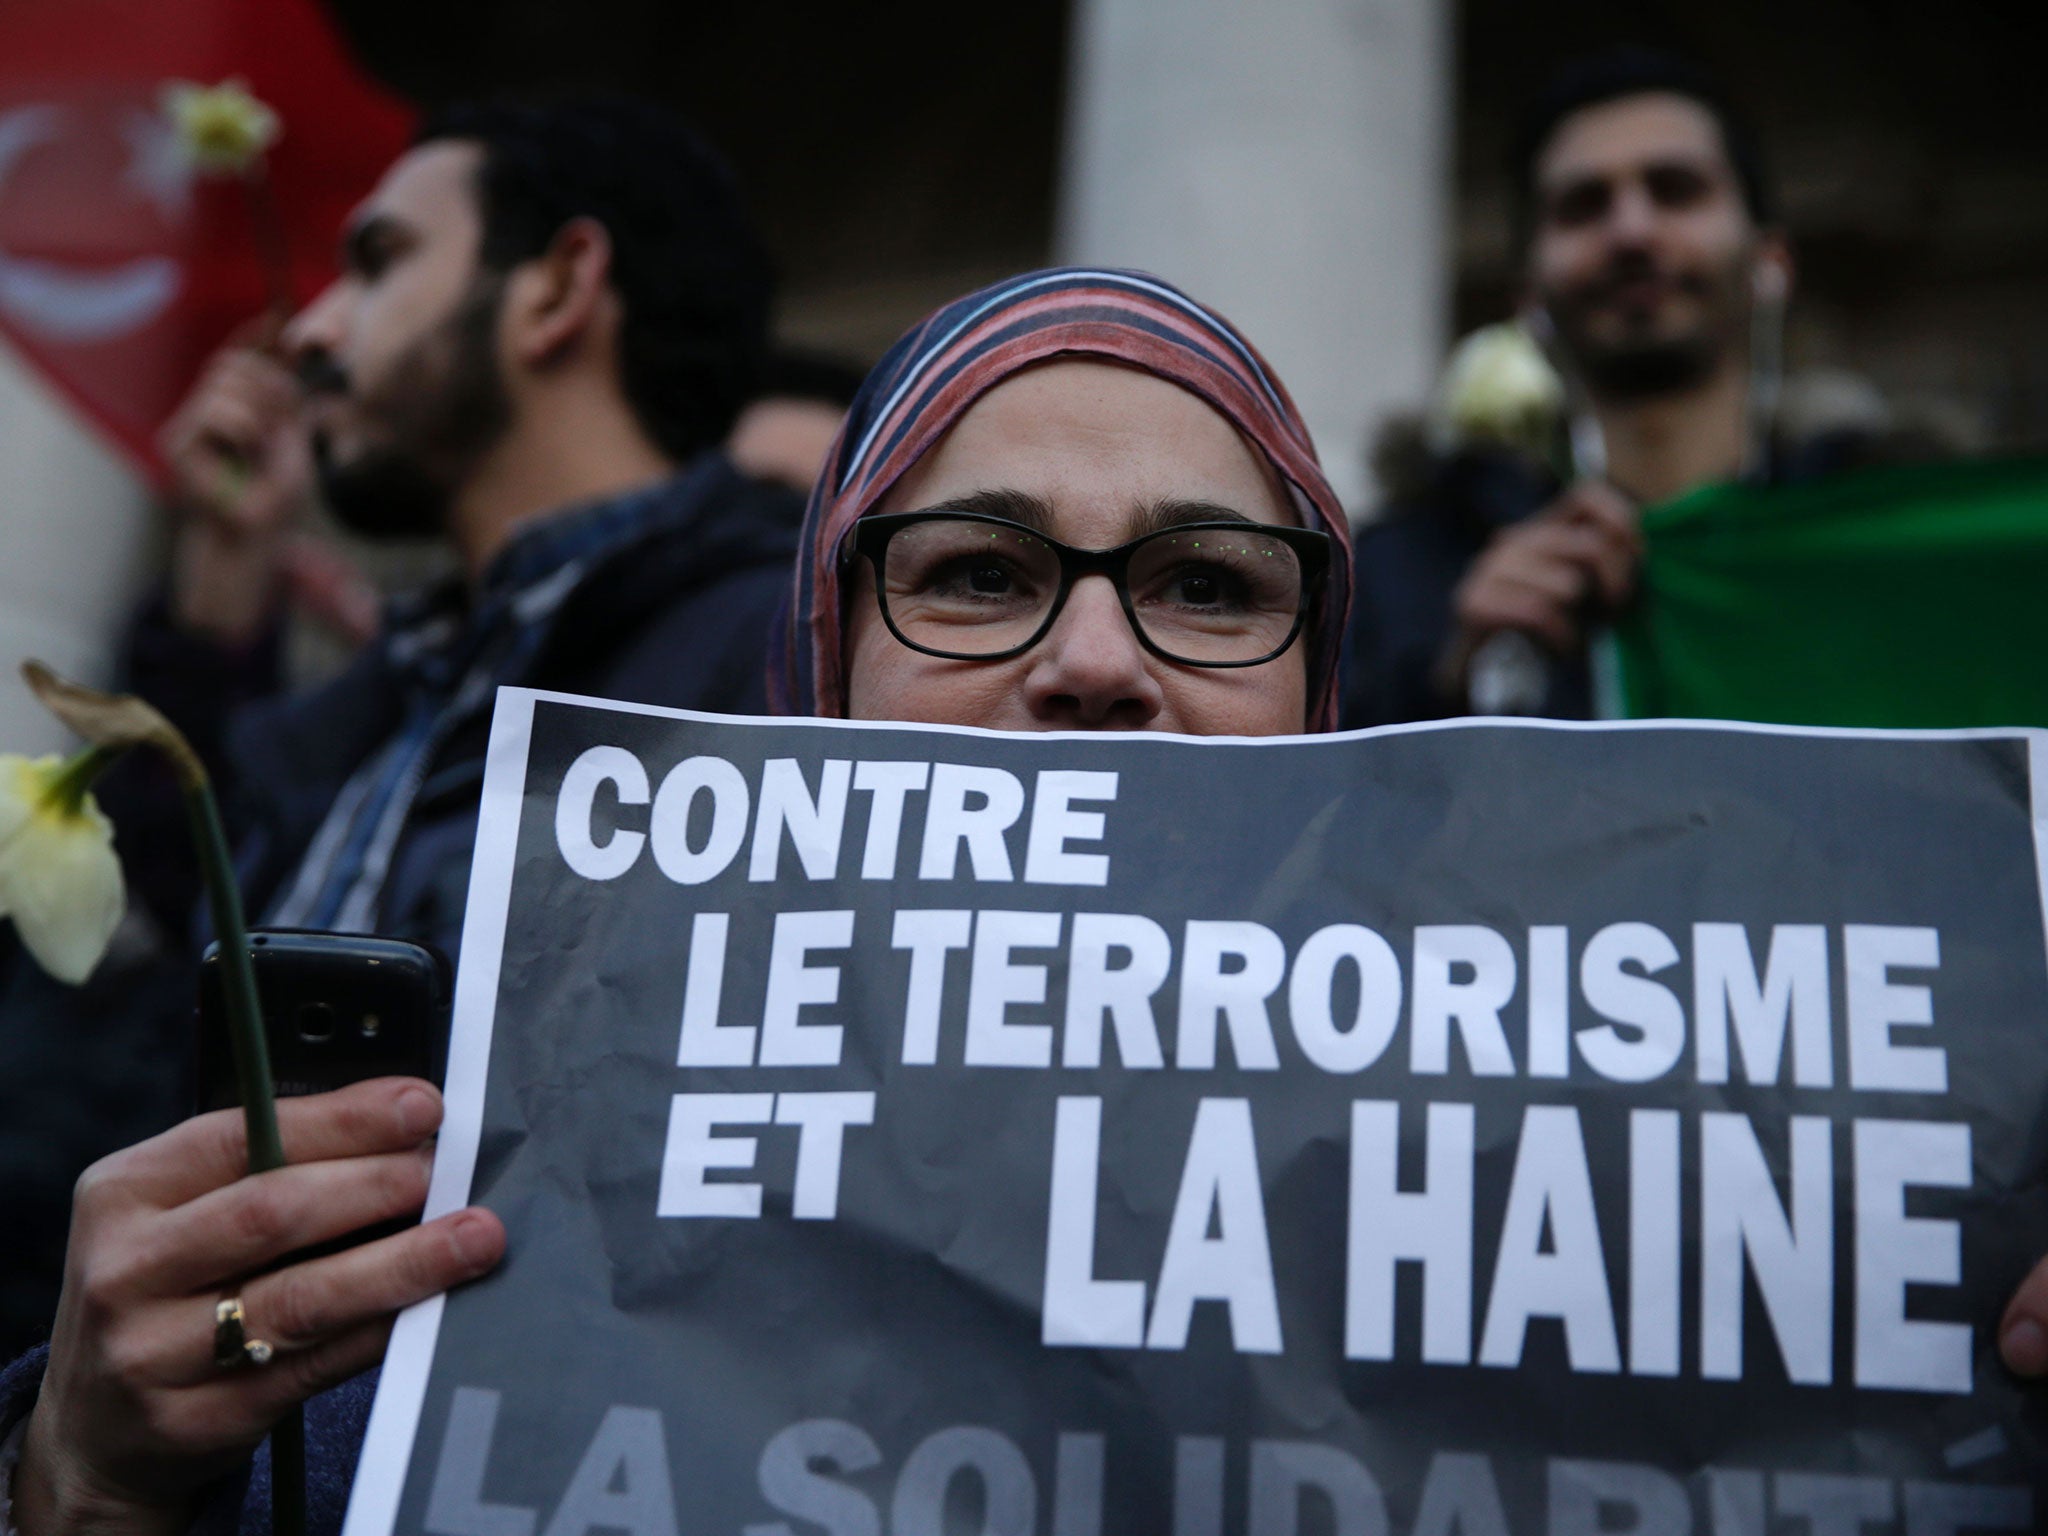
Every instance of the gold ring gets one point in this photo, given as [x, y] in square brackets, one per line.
[232, 1345]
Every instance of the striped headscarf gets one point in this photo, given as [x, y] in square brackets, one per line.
[944, 364]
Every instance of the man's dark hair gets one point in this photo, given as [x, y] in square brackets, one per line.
[687, 265]
[1630, 71]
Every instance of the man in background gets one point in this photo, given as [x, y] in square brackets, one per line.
[1656, 273]
[547, 320]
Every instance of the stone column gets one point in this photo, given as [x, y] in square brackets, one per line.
[75, 547]
[1290, 165]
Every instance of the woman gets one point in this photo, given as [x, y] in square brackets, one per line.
[1074, 500]
[1092, 406]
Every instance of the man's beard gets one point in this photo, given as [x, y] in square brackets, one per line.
[1644, 367]
[443, 407]
[1649, 370]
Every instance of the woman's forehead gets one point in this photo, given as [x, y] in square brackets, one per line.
[1096, 442]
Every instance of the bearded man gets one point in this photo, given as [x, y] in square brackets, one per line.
[546, 321]
[1654, 267]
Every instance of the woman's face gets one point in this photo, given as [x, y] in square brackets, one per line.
[1105, 454]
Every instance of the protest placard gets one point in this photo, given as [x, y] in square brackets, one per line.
[1458, 1131]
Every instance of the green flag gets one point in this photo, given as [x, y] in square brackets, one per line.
[1914, 596]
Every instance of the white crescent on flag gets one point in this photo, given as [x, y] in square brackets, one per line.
[73, 304]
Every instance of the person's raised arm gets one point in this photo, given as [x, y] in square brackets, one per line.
[241, 472]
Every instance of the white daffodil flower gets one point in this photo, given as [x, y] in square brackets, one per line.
[223, 129]
[60, 881]
[1499, 388]
[59, 878]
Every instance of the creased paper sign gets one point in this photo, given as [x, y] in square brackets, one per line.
[1482, 1129]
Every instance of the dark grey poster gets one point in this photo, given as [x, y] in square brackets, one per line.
[1485, 1130]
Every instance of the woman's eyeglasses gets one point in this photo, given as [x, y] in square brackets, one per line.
[976, 588]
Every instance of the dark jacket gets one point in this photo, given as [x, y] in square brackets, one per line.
[670, 604]
[240, 1504]
[672, 607]
[1406, 568]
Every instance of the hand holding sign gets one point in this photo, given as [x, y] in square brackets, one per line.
[134, 1417]
[2023, 1332]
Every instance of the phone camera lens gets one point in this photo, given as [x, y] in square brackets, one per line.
[371, 1024]
[316, 1021]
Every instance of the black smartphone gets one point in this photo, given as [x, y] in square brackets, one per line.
[338, 1008]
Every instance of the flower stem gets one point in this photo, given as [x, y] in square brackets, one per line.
[238, 981]
[288, 1474]
[273, 249]
[259, 1103]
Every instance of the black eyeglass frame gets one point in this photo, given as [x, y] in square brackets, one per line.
[871, 535]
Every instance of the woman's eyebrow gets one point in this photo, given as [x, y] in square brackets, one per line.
[1034, 512]
[1172, 512]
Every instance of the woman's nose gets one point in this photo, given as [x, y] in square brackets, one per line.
[1090, 671]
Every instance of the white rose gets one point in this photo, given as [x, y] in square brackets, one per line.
[1499, 388]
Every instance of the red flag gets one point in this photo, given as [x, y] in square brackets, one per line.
[121, 267]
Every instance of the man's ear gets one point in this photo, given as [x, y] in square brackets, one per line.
[554, 300]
